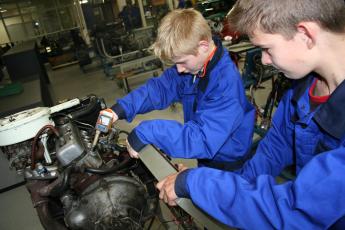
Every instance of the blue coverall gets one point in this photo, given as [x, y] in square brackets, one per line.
[219, 120]
[251, 199]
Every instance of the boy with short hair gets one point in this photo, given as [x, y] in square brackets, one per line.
[304, 39]
[218, 119]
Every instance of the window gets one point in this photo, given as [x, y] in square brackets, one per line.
[26, 20]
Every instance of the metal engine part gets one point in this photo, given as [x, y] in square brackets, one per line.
[23, 125]
[70, 146]
[18, 155]
[75, 187]
[114, 202]
[93, 194]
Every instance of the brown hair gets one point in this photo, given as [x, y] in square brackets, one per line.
[179, 33]
[282, 16]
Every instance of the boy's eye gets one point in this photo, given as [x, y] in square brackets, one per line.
[266, 50]
[179, 62]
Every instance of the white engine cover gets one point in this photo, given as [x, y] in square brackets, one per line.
[23, 125]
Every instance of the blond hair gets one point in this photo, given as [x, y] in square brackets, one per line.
[282, 16]
[179, 33]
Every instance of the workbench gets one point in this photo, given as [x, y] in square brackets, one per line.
[136, 69]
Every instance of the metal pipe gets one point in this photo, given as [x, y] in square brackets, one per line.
[42, 204]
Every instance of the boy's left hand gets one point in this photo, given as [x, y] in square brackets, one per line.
[167, 187]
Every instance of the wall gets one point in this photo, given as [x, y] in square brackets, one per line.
[3, 35]
[121, 4]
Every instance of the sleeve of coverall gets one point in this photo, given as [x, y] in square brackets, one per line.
[275, 149]
[313, 201]
[215, 120]
[158, 93]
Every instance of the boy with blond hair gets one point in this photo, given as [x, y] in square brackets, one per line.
[305, 40]
[218, 120]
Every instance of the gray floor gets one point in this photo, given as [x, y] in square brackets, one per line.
[67, 83]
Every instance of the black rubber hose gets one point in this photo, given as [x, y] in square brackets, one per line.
[88, 109]
[115, 168]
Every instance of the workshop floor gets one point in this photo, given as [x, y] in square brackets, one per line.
[67, 83]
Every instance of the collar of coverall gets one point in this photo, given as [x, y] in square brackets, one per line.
[209, 58]
[330, 115]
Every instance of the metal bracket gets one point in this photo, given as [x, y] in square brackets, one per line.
[161, 167]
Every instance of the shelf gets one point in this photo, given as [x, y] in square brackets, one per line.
[125, 77]
[134, 62]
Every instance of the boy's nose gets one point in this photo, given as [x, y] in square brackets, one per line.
[266, 59]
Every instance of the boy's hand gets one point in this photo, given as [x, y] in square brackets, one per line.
[167, 187]
[131, 151]
[110, 113]
[181, 167]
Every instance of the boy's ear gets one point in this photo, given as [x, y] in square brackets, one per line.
[204, 46]
[308, 32]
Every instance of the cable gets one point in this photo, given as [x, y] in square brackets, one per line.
[82, 123]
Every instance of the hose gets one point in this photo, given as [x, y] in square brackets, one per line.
[34, 142]
[115, 168]
[88, 109]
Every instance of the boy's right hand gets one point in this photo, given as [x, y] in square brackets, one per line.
[132, 153]
[111, 113]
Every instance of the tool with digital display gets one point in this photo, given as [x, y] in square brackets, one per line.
[103, 124]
